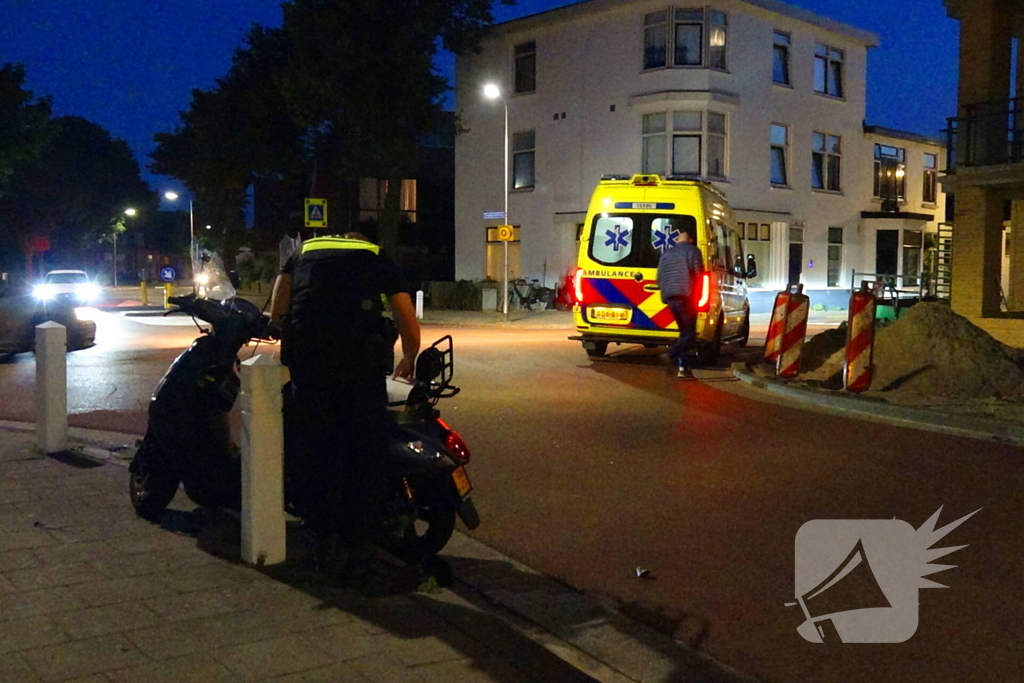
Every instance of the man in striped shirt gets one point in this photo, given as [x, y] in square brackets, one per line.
[678, 277]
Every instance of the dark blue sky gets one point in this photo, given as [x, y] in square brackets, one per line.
[130, 65]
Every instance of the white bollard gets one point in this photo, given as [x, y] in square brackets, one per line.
[419, 304]
[263, 526]
[51, 387]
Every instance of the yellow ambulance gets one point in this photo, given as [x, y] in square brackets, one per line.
[631, 221]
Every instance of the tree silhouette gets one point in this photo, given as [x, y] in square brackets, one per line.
[24, 121]
[71, 196]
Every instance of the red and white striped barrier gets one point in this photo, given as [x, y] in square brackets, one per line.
[797, 309]
[773, 344]
[860, 340]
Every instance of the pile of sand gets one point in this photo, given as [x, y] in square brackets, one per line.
[818, 349]
[932, 351]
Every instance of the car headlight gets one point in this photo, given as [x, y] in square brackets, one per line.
[88, 291]
[43, 292]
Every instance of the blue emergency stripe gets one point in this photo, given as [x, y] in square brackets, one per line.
[613, 295]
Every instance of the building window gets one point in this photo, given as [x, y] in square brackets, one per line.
[890, 172]
[825, 161]
[912, 243]
[828, 70]
[523, 160]
[931, 174]
[526, 67]
[757, 242]
[689, 34]
[835, 256]
[686, 37]
[372, 192]
[653, 143]
[687, 127]
[494, 266]
[656, 40]
[780, 154]
[718, 24]
[716, 145]
[697, 145]
[780, 58]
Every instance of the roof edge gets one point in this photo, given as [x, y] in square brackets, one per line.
[903, 135]
[867, 38]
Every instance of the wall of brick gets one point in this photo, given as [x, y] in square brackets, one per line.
[977, 252]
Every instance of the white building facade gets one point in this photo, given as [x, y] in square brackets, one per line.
[764, 100]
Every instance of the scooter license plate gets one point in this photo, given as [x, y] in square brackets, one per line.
[461, 480]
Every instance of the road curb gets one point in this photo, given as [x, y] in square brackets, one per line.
[585, 631]
[897, 416]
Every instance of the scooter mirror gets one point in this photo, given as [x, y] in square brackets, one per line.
[429, 365]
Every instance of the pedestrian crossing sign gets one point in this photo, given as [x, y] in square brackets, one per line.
[316, 213]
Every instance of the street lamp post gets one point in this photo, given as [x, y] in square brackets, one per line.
[127, 212]
[173, 196]
[492, 92]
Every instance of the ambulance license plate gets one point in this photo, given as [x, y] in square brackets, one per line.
[461, 480]
[616, 315]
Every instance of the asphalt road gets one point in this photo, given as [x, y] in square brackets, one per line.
[586, 470]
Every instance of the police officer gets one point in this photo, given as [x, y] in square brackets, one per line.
[338, 347]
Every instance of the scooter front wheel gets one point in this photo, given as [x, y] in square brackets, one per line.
[151, 486]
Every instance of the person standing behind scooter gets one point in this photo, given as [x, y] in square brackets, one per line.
[678, 274]
[337, 346]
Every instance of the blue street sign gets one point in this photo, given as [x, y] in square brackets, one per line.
[493, 215]
[167, 274]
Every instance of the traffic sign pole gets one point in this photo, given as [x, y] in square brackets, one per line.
[504, 303]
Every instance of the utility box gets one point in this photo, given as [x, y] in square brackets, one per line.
[490, 299]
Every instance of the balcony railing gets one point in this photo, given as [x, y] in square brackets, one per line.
[988, 134]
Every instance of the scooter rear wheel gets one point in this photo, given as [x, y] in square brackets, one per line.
[425, 536]
[151, 487]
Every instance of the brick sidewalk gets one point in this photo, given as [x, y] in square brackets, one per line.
[90, 593]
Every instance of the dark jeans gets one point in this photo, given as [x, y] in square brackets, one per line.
[339, 439]
[685, 312]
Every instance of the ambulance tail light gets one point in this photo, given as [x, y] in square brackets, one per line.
[704, 302]
[577, 285]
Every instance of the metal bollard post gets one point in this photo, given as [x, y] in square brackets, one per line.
[144, 286]
[51, 387]
[419, 304]
[167, 295]
[263, 527]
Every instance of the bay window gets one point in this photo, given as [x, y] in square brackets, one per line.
[685, 37]
[689, 143]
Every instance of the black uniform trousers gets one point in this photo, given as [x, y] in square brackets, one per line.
[339, 419]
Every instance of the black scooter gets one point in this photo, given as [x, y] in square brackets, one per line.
[188, 439]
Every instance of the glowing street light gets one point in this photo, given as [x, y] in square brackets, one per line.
[127, 212]
[493, 92]
[173, 196]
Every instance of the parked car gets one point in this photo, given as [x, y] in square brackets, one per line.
[21, 311]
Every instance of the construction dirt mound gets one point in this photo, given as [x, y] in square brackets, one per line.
[818, 349]
[932, 351]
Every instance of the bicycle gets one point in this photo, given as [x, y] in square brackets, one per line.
[529, 295]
